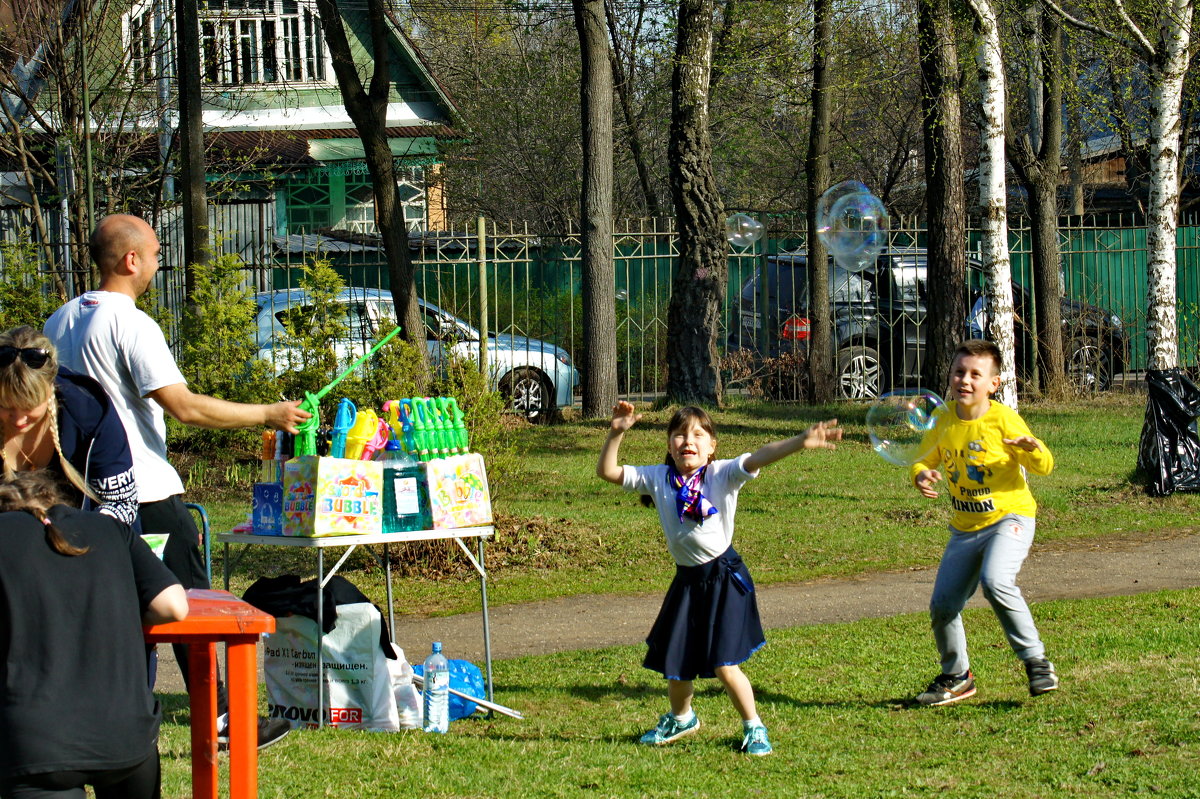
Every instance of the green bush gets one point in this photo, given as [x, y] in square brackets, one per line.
[25, 296]
[218, 351]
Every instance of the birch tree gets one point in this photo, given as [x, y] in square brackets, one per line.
[989, 58]
[1165, 50]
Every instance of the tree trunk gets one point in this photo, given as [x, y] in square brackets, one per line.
[191, 142]
[818, 178]
[596, 213]
[993, 191]
[1039, 169]
[945, 201]
[368, 111]
[1168, 68]
[694, 313]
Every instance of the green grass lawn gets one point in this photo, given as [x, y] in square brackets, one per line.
[1125, 722]
[563, 531]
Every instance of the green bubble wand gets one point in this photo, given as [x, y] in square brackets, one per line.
[306, 431]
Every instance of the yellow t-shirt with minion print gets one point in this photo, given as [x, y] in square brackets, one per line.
[985, 477]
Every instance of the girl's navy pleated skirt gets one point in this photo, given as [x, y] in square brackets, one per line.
[708, 619]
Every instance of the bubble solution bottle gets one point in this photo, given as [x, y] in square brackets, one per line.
[435, 695]
[405, 491]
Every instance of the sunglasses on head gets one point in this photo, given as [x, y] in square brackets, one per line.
[33, 357]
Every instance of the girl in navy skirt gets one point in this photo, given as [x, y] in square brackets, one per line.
[709, 620]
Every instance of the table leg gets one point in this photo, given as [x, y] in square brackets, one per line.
[202, 694]
[320, 637]
[387, 567]
[487, 631]
[243, 716]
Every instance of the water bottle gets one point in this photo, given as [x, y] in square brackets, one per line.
[405, 491]
[435, 697]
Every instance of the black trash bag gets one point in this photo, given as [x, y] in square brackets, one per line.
[1169, 452]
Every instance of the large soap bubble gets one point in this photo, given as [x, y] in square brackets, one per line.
[900, 425]
[829, 198]
[742, 230]
[853, 224]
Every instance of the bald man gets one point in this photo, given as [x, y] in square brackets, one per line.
[103, 334]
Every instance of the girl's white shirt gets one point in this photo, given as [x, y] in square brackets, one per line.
[693, 543]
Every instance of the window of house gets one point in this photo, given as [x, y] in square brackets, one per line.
[242, 42]
[149, 37]
[261, 41]
[360, 200]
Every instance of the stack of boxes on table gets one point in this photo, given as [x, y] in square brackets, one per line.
[407, 469]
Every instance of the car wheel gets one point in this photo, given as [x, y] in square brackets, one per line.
[1088, 367]
[859, 374]
[529, 394]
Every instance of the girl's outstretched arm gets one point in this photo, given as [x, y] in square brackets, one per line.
[822, 435]
[623, 418]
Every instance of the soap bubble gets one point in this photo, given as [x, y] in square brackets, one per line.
[829, 198]
[900, 425]
[853, 224]
[742, 230]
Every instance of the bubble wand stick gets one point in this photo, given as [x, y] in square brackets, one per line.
[306, 431]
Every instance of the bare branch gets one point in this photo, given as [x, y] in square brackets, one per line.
[1136, 46]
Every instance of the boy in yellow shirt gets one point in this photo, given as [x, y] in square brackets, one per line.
[984, 449]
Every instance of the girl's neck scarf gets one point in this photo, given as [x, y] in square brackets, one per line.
[689, 500]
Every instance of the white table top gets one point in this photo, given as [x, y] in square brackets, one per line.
[352, 540]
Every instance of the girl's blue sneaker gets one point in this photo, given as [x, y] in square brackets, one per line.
[669, 729]
[756, 743]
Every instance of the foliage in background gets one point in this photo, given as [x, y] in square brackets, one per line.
[218, 352]
[25, 296]
[307, 360]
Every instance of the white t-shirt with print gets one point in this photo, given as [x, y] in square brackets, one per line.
[103, 334]
[693, 543]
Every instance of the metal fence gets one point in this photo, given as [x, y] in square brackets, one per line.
[512, 281]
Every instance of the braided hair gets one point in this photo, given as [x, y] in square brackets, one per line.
[35, 493]
[22, 386]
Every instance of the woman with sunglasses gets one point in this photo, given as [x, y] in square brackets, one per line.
[76, 708]
[52, 418]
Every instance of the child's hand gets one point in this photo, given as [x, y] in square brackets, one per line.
[623, 417]
[823, 435]
[1027, 443]
[925, 480]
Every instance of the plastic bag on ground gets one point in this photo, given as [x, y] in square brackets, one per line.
[1169, 451]
[466, 677]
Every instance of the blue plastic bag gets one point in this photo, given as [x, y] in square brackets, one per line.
[466, 677]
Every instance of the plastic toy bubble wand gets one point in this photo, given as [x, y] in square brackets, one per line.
[306, 431]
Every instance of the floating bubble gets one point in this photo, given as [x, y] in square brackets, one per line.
[742, 230]
[853, 224]
[829, 198]
[900, 425]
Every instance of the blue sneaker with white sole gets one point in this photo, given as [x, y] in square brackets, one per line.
[756, 743]
[669, 729]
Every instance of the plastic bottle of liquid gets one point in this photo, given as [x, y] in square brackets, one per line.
[435, 695]
[405, 491]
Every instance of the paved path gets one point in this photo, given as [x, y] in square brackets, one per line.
[1097, 569]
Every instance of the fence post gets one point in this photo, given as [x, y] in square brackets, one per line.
[481, 251]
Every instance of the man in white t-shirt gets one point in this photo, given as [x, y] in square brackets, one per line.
[103, 334]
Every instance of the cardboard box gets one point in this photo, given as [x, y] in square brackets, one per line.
[266, 509]
[332, 496]
[458, 492]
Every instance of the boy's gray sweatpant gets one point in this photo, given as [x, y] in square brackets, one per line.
[990, 557]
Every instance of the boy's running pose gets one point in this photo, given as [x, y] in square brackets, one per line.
[983, 449]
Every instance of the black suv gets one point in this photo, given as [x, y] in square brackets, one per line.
[879, 334]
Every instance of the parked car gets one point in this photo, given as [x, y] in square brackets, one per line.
[879, 331]
[537, 377]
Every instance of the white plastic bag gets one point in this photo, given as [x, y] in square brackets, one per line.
[358, 682]
[408, 698]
